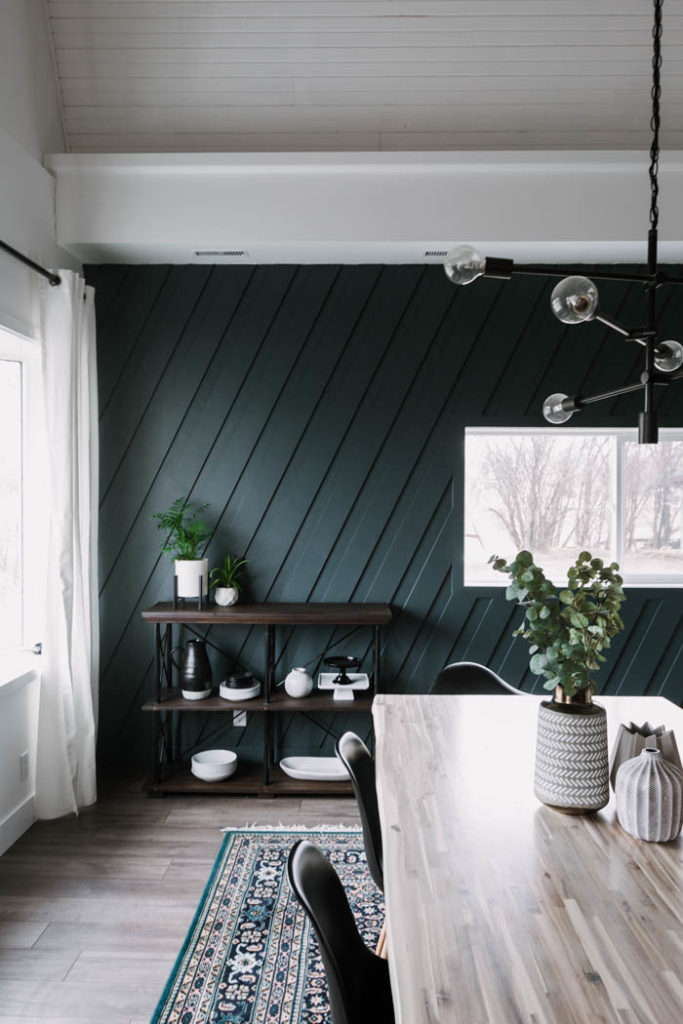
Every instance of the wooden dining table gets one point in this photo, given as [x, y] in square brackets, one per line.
[501, 910]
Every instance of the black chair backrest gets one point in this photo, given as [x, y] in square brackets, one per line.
[358, 981]
[360, 765]
[469, 677]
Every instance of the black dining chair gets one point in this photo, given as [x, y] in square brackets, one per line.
[358, 980]
[360, 765]
[466, 677]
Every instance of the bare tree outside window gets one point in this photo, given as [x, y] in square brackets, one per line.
[653, 507]
[555, 494]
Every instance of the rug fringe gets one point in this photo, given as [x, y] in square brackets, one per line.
[292, 828]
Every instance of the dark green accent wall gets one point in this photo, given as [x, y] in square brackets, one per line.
[320, 411]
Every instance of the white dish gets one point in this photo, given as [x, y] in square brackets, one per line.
[246, 693]
[359, 681]
[319, 769]
[195, 694]
[214, 765]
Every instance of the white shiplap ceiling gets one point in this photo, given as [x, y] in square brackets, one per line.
[362, 75]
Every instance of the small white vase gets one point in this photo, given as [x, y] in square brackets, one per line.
[188, 573]
[298, 683]
[649, 793]
[225, 596]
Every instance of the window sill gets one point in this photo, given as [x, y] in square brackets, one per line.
[17, 669]
[627, 584]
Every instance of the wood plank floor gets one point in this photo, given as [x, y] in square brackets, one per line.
[94, 909]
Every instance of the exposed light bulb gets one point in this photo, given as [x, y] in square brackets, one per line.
[553, 411]
[671, 359]
[574, 300]
[464, 265]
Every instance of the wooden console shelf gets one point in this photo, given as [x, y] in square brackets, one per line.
[172, 700]
[247, 781]
[167, 700]
[276, 614]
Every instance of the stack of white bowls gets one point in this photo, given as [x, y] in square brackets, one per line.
[214, 765]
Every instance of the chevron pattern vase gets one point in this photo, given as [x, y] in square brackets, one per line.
[572, 770]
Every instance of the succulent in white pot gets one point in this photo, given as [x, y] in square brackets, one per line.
[227, 580]
[186, 536]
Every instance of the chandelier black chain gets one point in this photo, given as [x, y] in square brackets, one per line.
[575, 298]
[655, 94]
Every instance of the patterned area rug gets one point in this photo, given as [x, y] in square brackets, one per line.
[250, 956]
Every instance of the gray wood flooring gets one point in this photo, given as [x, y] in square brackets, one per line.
[94, 908]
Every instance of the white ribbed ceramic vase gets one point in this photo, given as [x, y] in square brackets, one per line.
[650, 797]
[571, 771]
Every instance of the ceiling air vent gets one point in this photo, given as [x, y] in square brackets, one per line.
[437, 252]
[221, 252]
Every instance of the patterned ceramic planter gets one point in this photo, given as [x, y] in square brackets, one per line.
[572, 770]
[650, 797]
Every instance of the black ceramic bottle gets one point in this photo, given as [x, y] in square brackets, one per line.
[195, 671]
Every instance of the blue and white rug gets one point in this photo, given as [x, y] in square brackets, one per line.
[250, 956]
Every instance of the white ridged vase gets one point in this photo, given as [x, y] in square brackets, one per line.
[650, 797]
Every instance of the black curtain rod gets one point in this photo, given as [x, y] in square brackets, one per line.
[54, 279]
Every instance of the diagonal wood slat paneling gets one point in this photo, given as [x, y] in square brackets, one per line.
[320, 411]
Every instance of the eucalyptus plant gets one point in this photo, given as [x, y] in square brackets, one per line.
[186, 531]
[569, 629]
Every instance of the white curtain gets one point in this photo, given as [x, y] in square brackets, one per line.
[67, 719]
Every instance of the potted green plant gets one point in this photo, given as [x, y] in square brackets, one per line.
[568, 630]
[186, 536]
[227, 579]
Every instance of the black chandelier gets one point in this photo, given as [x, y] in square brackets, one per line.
[575, 299]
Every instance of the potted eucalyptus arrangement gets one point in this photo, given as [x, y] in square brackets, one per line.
[568, 631]
[227, 580]
[186, 536]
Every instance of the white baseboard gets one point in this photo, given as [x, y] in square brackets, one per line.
[16, 823]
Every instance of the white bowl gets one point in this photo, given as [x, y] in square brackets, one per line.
[322, 769]
[214, 765]
[245, 693]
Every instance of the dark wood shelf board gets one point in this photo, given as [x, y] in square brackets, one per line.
[280, 702]
[247, 781]
[171, 700]
[274, 613]
[320, 701]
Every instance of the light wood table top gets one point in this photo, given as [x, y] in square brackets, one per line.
[501, 910]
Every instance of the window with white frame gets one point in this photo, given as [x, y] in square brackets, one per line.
[21, 534]
[559, 492]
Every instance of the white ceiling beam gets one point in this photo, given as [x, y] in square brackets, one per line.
[363, 207]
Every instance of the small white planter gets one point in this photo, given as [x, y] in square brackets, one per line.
[298, 683]
[188, 573]
[225, 596]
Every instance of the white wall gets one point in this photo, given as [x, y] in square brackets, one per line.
[30, 125]
[18, 723]
[29, 99]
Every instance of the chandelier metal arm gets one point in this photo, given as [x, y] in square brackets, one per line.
[575, 402]
[609, 321]
[541, 270]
